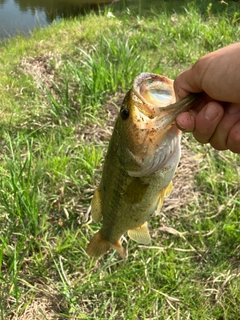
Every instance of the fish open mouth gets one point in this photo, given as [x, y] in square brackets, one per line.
[157, 95]
[157, 92]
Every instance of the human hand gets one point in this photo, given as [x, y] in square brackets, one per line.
[216, 117]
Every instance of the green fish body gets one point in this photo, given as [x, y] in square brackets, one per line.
[141, 160]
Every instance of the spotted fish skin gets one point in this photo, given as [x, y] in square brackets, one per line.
[141, 160]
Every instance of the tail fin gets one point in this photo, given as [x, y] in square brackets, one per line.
[98, 246]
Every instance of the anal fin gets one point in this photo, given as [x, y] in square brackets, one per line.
[140, 234]
[96, 206]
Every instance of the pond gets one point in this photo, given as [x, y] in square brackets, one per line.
[21, 16]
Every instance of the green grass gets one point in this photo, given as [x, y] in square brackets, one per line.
[56, 90]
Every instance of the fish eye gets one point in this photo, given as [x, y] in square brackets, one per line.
[124, 112]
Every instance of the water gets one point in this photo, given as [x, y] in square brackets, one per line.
[21, 16]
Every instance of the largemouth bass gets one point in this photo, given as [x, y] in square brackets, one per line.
[141, 160]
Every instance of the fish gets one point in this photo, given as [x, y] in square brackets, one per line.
[141, 160]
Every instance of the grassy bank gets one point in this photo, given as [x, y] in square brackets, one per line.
[59, 92]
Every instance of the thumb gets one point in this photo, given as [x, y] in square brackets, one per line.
[185, 84]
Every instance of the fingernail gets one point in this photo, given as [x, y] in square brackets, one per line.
[211, 112]
[181, 127]
[185, 122]
[233, 109]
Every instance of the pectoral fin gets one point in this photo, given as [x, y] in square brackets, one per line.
[168, 190]
[163, 193]
[160, 201]
[140, 234]
[96, 206]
